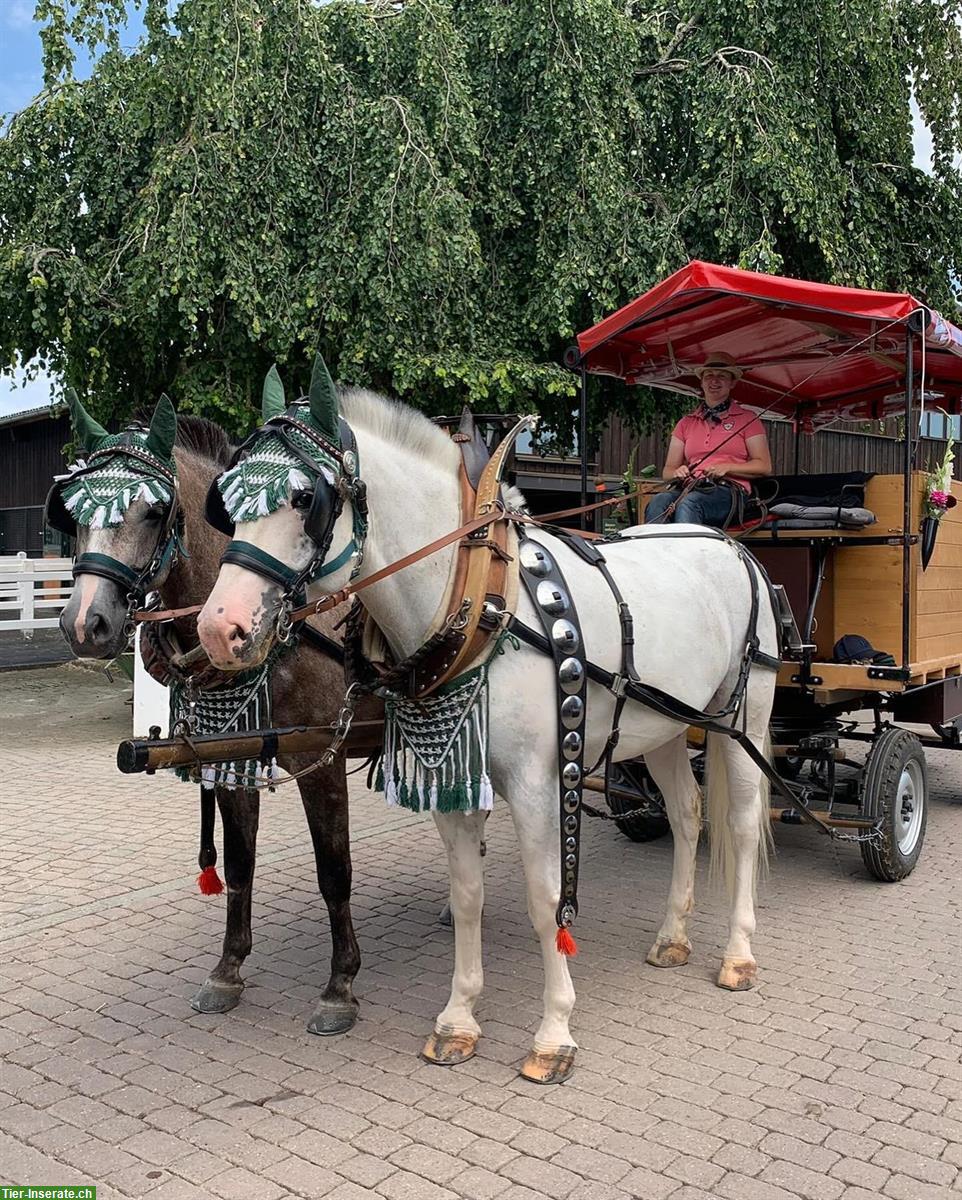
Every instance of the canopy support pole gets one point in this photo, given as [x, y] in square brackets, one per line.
[907, 493]
[583, 440]
[798, 441]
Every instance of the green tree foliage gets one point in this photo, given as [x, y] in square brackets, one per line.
[438, 193]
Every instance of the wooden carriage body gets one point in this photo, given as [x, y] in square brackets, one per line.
[861, 592]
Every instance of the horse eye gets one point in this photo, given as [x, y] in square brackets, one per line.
[301, 501]
[154, 514]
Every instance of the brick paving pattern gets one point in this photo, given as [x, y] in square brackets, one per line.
[839, 1078]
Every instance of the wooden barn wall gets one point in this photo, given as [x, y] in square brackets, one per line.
[30, 456]
[827, 451]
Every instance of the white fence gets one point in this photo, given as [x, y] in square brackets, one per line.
[33, 590]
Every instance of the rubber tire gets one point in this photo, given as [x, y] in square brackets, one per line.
[634, 777]
[888, 757]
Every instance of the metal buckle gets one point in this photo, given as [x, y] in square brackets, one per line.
[461, 620]
[285, 626]
[619, 686]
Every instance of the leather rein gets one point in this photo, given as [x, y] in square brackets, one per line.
[498, 514]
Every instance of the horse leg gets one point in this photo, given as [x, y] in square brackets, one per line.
[239, 812]
[456, 1032]
[551, 1060]
[740, 830]
[324, 796]
[671, 770]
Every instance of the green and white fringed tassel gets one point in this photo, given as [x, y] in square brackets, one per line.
[100, 500]
[236, 709]
[436, 749]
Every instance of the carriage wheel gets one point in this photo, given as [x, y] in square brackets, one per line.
[634, 777]
[896, 788]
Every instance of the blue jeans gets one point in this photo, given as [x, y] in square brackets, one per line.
[701, 506]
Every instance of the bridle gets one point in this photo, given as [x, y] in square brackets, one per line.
[134, 582]
[326, 460]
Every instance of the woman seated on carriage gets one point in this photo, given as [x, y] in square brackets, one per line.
[720, 445]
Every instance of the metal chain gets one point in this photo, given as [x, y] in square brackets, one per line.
[874, 835]
[645, 811]
[342, 726]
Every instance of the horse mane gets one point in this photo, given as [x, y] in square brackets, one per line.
[204, 437]
[396, 423]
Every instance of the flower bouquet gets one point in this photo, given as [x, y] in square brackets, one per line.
[937, 501]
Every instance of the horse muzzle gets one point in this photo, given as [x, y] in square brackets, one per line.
[94, 620]
[234, 638]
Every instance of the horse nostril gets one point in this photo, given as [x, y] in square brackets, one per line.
[235, 634]
[96, 626]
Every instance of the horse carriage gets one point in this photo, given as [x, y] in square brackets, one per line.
[466, 626]
[813, 354]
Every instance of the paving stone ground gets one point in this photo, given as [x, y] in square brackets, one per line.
[839, 1078]
[43, 648]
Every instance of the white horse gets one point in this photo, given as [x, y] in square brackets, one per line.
[690, 599]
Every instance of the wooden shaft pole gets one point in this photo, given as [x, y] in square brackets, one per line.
[150, 754]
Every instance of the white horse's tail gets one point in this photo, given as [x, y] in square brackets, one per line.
[751, 802]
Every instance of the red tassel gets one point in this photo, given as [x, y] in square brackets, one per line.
[566, 944]
[209, 882]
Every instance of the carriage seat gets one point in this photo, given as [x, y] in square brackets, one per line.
[831, 500]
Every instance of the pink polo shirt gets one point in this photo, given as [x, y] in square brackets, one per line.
[704, 439]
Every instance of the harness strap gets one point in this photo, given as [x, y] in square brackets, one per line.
[107, 567]
[337, 562]
[252, 558]
[326, 603]
[323, 644]
[563, 640]
[676, 710]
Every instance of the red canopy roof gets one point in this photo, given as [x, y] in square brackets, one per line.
[805, 348]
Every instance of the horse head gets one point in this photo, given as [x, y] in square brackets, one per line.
[294, 505]
[121, 504]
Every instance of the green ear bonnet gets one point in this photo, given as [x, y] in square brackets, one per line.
[266, 478]
[101, 495]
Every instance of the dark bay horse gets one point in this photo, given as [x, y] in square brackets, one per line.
[307, 689]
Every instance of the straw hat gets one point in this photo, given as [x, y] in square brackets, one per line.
[718, 360]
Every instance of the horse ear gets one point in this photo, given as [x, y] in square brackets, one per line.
[90, 433]
[163, 429]
[272, 401]
[323, 398]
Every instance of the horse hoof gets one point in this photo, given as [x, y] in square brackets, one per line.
[332, 1019]
[549, 1066]
[215, 997]
[446, 1047]
[668, 954]
[738, 974]
[445, 916]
